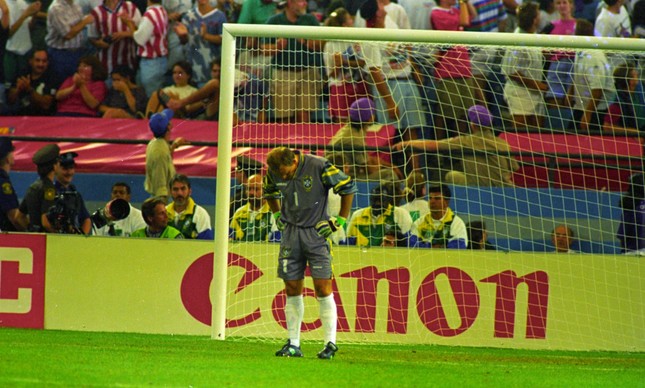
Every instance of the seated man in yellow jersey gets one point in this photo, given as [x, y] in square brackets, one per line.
[184, 214]
[441, 228]
[381, 223]
[254, 220]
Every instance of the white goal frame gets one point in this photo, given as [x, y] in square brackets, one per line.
[233, 31]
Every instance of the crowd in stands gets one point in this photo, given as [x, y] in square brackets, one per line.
[123, 59]
[60, 57]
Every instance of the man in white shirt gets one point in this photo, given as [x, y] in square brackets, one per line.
[593, 86]
[129, 224]
[613, 21]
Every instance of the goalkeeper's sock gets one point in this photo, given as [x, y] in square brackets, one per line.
[294, 311]
[328, 317]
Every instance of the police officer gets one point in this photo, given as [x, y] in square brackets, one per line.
[41, 194]
[11, 219]
[64, 174]
[244, 169]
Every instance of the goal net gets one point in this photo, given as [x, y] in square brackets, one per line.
[476, 158]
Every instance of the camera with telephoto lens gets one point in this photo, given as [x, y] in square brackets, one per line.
[63, 215]
[116, 209]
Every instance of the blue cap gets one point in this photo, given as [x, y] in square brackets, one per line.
[6, 146]
[67, 159]
[159, 122]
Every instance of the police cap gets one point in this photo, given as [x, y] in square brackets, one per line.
[5, 146]
[46, 155]
[248, 165]
[67, 159]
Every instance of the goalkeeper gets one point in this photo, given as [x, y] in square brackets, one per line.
[296, 188]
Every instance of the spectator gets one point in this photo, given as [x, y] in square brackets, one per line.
[296, 84]
[253, 221]
[125, 99]
[482, 153]
[560, 63]
[478, 236]
[38, 26]
[11, 219]
[523, 68]
[230, 8]
[207, 97]
[565, 24]
[175, 9]
[613, 21]
[416, 195]
[631, 231]
[65, 40]
[345, 80]
[41, 194]
[184, 214]
[627, 114]
[126, 226]
[441, 228]
[490, 16]
[418, 12]
[257, 11]
[151, 38]
[33, 92]
[79, 221]
[200, 30]
[349, 145]
[548, 13]
[381, 223]
[82, 93]
[456, 89]
[396, 16]
[155, 215]
[159, 165]
[592, 85]
[112, 37]
[395, 84]
[562, 238]
[182, 87]
[638, 19]
[19, 43]
[370, 54]
[245, 168]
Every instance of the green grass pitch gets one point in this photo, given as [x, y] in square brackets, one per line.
[64, 358]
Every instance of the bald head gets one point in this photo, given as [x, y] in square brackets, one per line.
[254, 191]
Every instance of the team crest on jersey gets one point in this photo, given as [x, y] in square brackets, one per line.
[285, 252]
[7, 188]
[307, 182]
[50, 194]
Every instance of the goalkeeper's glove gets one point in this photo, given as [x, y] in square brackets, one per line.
[327, 227]
[278, 222]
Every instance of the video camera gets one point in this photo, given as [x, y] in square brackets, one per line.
[63, 215]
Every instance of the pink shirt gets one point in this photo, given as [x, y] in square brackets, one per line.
[74, 102]
[563, 27]
[455, 62]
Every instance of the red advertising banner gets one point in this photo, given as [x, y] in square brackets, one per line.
[22, 280]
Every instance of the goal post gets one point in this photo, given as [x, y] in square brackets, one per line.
[413, 293]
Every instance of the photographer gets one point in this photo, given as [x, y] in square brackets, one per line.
[71, 214]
